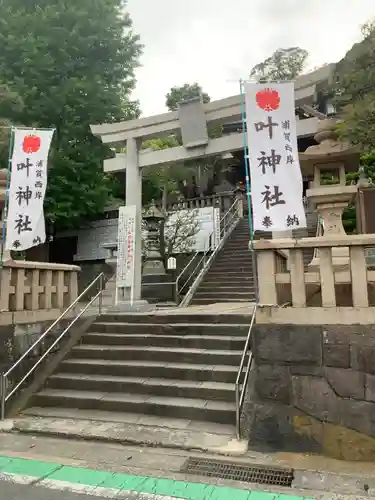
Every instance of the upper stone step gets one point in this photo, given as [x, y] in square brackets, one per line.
[184, 317]
[178, 329]
[151, 369]
[186, 341]
[177, 354]
[201, 300]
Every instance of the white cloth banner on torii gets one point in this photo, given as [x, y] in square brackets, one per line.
[25, 226]
[276, 179]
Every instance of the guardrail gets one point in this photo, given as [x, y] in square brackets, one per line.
[241, 381]
[200, 262]
[4, 377]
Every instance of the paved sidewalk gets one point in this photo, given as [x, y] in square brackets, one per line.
[38, 459]
[60, 478]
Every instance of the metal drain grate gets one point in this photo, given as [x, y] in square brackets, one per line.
[238, 472]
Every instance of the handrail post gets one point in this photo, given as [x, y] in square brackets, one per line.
[2, 396]
[101, 288]
[240, 393]
[238, 413]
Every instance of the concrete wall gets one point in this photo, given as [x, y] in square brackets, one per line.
[312, 389]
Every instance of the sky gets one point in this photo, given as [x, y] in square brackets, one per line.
[217, 42]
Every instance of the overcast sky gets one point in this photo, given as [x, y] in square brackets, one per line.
[217, 42]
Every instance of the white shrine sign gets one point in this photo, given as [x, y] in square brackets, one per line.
[28, 182]
[276, 180]
[125, 268]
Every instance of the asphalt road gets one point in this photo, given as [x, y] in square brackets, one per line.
[11, 491]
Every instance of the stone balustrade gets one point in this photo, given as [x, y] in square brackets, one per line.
[35, 291]
[221, 200]
[289, 284]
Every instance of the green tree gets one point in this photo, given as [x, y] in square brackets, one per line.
[354, 95]
[11, 105]
[354, 91]
[283, 64]
[183, 93]
[73, 64]
[166, 178]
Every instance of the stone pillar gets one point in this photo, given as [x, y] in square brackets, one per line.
[134, 197]
[331, 157]
[239, 194]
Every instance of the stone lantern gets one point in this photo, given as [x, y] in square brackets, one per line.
[3, 183]
[154, 261]
[330, 158]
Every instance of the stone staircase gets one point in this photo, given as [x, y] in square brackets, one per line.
[230, 277]
[174, 370]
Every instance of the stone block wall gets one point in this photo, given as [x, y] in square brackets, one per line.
[16, 339]
[312, 389]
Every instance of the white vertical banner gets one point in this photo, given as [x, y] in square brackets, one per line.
[28, 182]
[276, 180]
[126, 247]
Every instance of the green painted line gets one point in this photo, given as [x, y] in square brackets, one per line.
[126, 482]
[22, 466]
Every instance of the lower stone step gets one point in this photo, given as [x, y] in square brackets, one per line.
[189, 389]
[131, 428]
[192, 409]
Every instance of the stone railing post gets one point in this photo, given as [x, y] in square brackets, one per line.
[333, 284]
[37, 287]
[239, 194]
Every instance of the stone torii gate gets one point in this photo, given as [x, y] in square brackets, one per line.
[191, 122]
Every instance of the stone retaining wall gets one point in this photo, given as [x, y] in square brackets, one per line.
[313, 389]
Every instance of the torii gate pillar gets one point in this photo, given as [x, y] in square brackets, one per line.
[134, 197]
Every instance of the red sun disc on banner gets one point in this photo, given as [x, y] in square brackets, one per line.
[268, 99]
[31, 144]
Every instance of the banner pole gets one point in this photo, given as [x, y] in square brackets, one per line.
[3, 232]
[248, 184]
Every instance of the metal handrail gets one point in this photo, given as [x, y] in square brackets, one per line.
[241, 391]
[4, 376]
[208, 248]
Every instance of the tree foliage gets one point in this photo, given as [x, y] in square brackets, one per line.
[10, 104]
[283, 64]
[354, 91]
[180, 230]
[183, 93]
[176, 234]
[72, 63]
[165, 178]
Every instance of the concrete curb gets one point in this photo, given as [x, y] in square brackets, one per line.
[131, 434]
